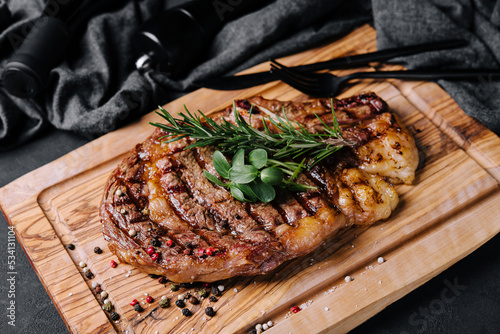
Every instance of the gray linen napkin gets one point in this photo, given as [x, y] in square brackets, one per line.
[401, 23]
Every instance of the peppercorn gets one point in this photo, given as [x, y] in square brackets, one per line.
[71, 246]
[179, 303]
[89, 274]
[150, 250]
[215, 291]
[253, 331]
[114, 316]
[164, 303]
[169, 243]
[174, 287]
[213, 299]
[155, 242]
[295, 309]
[203, 293]
[186, 312]
[193, 300]
[187, 251]
[186, 285]
[149, 299]
[97, 250]
[155, 256]
[97, 289]
[113, 264]
[210, 251]
[134, 302]
[138, 308]
[108, 307]
[162, 280]
[209, 311]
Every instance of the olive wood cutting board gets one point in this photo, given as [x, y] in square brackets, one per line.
[451, 209]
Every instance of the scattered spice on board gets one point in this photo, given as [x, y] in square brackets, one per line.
[138, 307]
[180, 303]
[164, 302]
[295, 309]
[114, 316]
[174, 287]
[89, 274]
[186, 312]
[113, 264]
[209, 311]
[149, 299]
[71, 247]
[134, 302]
[97, 250]
[213, 299]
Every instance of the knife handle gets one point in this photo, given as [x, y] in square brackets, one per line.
[379, 56]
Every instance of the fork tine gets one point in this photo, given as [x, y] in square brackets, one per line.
[289, 80]
[290, 77]
[296, 74]
[305, 88]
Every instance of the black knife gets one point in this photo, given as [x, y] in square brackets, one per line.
[255, 79]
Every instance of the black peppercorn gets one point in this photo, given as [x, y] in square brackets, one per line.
[98, 250]
[114, 316]
[180, 303]
[186, 312]
[209, 311]
[193, 300]
[71, 246]
[89, 274]
[138, 308]
[213, 299]
[155, 242]
[186, 285]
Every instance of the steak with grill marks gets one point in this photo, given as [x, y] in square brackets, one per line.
[158, 197]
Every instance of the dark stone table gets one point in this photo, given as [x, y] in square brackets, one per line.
[474, 306]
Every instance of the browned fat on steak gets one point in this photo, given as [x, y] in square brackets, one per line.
[160, 214]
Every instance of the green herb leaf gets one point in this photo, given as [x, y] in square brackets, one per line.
[243, 174]
[264, 192]
[239, 158]
[271, 175]
[258, 158]
[292, 186]
[246, 190]
[214, 179]
[237, 193]
[220, 164]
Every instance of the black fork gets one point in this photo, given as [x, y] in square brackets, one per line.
[328, 85]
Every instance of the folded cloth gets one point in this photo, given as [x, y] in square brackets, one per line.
[400, 23]
[96, 88]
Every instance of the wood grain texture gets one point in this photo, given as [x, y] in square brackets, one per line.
[449, 212]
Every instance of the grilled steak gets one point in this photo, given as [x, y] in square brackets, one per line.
[160, 214]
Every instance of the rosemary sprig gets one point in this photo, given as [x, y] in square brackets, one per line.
[291, 142]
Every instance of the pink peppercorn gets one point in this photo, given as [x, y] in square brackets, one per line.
[150, 250]
[149, 299]
[295, 309]
[134, 302]
[169, 243]
[210, 251]
[200, 252]
[113, 264]
[155, 256]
